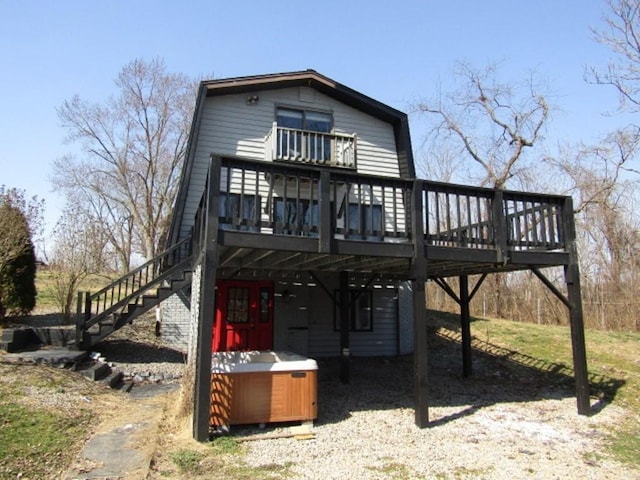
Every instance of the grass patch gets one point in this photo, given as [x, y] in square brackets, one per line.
[45, 414]
[188, 461]
[613, 360]
[625, 443]
[45, 285]
[394, 471]
[226, 446]
[226, 459]
[464, 473]
[34, 443]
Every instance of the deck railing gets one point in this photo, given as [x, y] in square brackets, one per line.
[296, 200]
[458, 216]
[292, 200]
[312, 148]
[470, 217]
[534, 221]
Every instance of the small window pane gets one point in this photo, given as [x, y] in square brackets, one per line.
[360, 311]
[264, 305]
[289, 118]
[238, 305]
[317, 122]
[295, 217]
[232, 216]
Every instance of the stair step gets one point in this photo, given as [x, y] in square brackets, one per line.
[126, 386]
[49, 356]
[97, 371]
[114, 379]
[19, 339]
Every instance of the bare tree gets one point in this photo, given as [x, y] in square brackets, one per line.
[79, 251]
[492, 123]
[604, 201]
[622, 35]
[607, 224]
[133, 146]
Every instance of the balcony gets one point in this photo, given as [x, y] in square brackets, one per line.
[290, 217]
[311, 148]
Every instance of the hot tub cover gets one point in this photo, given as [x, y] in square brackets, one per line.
[260, 361]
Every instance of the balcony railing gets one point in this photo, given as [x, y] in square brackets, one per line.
[293, 200]
[312, 148]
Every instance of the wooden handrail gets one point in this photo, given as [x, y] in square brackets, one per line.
[121, 291]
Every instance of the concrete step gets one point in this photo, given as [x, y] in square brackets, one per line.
[114, 379]
[95, 371]
[15, 340]
[57, 357]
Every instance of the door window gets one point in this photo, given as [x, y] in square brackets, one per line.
[238, 305]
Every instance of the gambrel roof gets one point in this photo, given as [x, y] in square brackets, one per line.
[307, 78]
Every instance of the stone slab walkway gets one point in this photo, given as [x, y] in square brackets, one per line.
[126, 450]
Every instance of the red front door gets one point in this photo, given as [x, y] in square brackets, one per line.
[244, 316]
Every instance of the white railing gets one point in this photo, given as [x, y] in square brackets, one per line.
[315, 148]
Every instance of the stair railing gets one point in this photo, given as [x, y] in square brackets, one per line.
[92, 308]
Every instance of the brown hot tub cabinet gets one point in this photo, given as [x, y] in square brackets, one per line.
[262, 387]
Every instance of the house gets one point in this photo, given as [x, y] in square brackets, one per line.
[300, 225]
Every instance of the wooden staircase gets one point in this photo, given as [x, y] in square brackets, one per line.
[119, 303]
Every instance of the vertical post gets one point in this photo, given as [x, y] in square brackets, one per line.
[572, 279]
[345, 320]
[202, 391]
[499, 226]
[465, 325]
[79, 320]
[325, 232]
[87, 306]
[419, 278]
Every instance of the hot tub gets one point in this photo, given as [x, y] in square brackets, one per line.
[262, 387]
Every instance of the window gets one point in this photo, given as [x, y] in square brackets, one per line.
[361, 310]
[362, 219]
[295, 217]
[234, 217]
[302, 134]
[238, 305]
[265, 301]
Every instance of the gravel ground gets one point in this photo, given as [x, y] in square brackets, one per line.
[143, 362]
[509, 421]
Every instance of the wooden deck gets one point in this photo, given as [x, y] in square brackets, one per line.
[282, 218]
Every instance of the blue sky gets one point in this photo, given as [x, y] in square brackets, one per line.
[395, 51]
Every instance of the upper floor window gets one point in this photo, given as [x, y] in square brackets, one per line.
[303, 134]
[304, 120]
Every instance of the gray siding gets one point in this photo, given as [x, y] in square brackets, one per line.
[405, 318]
[324, 341]
[231, 127]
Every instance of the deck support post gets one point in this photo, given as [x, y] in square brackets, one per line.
[419, 278]
[465, 325]
[202, 390]
[572, 279]
[345, 314]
